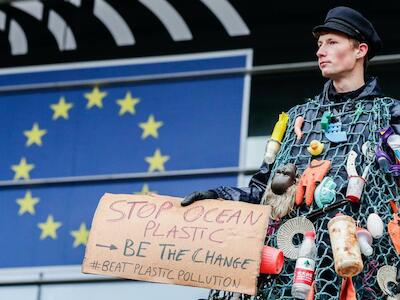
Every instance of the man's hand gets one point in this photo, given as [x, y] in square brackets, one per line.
[196, 196]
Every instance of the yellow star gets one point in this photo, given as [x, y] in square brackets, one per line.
[81, 235]
[22, 169]
[127, 104]
[27, 204]
[61, 109]
[49, 228]
[145, 190]
[150, 127]
[35, 135]
[95, 98]
[156, 161]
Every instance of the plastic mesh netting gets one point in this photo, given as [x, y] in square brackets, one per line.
[361, 120]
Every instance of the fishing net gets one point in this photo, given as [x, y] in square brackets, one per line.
[361, 120]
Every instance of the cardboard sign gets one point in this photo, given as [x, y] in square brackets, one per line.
[210, 244]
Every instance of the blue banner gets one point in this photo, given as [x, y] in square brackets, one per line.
[148, 127]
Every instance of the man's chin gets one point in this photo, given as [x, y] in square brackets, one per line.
[327, 74]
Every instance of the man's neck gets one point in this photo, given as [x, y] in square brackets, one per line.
[346, 85]
[349, 82]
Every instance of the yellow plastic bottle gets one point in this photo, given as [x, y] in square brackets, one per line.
[274, 143]
[280, 127]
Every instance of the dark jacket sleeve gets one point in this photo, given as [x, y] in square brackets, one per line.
[253, 193]
[395, 116]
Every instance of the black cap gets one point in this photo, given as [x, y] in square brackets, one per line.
[351, 22]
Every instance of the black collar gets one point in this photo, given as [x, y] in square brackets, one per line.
[334, 96]
[369, 90]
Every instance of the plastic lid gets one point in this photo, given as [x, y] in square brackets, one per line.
[272, 260]
[310, 234]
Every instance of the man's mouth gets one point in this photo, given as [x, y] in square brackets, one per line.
[323, 63]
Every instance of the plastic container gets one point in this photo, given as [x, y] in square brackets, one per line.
[271, 260]
[355, 188]
[272, 149]
[346, 249]
[305, 267]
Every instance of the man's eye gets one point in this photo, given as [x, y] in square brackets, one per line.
[332, 42]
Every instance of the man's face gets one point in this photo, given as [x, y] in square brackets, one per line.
[337, 55]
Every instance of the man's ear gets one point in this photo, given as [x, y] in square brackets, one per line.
[362, 50]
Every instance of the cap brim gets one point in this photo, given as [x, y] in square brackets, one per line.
[331, 26]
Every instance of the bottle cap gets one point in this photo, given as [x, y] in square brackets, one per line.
[271, 260]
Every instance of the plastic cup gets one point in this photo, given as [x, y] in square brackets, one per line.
[271, 260]
[355, 188]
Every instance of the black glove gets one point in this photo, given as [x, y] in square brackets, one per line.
[195, 196]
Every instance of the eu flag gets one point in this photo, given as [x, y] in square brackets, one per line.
[142, 127]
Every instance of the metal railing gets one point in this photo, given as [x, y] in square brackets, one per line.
[126, 176]
[257, 70]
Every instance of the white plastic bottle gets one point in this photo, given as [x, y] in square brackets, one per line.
[305, 266]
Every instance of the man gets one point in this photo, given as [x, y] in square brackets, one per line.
[346, 42]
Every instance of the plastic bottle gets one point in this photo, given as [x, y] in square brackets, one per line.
[305, 266]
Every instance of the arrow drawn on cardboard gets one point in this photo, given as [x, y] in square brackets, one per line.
[111, 247]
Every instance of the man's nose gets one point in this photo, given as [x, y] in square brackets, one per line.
[321, 52]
